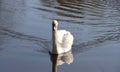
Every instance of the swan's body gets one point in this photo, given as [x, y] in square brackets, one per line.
[62, 40]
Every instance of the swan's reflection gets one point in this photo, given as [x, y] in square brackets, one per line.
[59, 59]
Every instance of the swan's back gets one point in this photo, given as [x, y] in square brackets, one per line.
[65, 41]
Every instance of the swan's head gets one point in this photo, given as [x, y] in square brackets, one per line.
[55, 25]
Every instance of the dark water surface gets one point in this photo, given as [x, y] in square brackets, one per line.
[25, 34]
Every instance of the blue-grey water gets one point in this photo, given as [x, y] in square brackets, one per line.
[25, 34]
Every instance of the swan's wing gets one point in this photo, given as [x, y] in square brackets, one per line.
[65, 39]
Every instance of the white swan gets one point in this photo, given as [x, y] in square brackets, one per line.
[62, 39]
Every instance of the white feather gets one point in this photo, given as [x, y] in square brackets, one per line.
[65, 41]
[62, 40]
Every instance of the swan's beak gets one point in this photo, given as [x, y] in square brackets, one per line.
[55, 25]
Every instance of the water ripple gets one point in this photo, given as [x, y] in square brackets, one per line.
[92, 18]
[12, 33]
[75, 11]
[43, 43]
[84, 46]
[78, 11]
[46, 45]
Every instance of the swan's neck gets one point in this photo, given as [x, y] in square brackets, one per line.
[54, 51]
[54, 35]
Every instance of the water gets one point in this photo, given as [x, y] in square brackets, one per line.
[25, 34]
